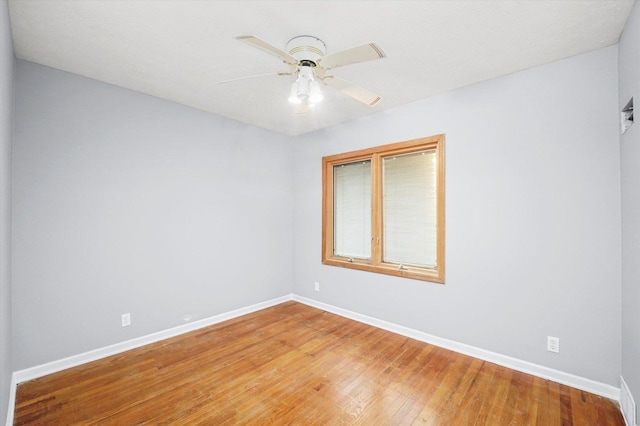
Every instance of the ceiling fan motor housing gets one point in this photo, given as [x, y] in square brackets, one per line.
[306, 49]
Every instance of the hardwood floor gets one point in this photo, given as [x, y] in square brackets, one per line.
[293, 364]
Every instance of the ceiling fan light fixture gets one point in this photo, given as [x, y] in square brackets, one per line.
[315, 94]
[306, 88]
[293, 94]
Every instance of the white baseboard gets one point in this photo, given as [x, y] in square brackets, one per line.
[588, 385]
[75, 360]
[627, 404]
[585, 384]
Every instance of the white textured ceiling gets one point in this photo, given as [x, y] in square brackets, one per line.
[179, 49]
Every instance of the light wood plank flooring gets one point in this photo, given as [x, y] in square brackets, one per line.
[293, 364]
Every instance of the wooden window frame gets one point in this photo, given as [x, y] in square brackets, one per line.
[375, 264]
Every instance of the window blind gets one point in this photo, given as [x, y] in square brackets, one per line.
[409, 209]
[352, 210]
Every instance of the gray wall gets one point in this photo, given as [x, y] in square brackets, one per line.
[532, 217]
[6, 106]
[128, 203]
[629, 80]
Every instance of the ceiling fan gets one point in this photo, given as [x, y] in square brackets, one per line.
[306, 55]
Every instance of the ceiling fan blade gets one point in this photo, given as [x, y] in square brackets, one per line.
[366, 52]
[255, 76]
[267, 47]
[356, 92]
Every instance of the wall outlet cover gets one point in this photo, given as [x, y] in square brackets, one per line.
[553, 344]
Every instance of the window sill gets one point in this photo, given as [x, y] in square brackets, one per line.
[430, 275]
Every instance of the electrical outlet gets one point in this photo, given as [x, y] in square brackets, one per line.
[317, 286]
[553, 344]
[126, 320]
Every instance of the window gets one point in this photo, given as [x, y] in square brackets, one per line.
[383, 209]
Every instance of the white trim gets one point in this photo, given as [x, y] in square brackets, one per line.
[75, 360]
[627, 404]
[578, 382]
[12, 400]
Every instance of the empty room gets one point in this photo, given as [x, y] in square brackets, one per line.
[319, 212]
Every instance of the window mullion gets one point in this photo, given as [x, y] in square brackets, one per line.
[376, 209]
